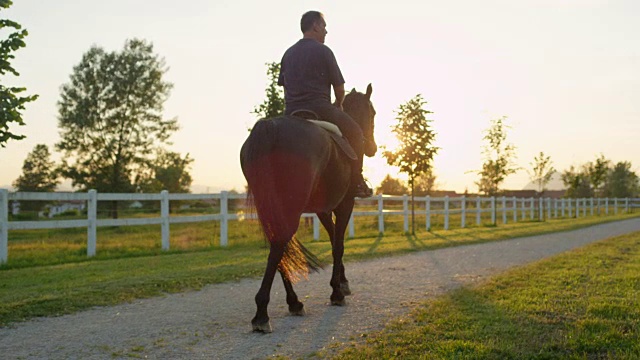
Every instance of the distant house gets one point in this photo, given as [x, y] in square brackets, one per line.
[520, 193]
[15, 207]
[63, 206]
[554, 194]
[443, 193]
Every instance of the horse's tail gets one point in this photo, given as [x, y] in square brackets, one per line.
[258, 163]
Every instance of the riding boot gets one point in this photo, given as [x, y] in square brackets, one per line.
[359, 187]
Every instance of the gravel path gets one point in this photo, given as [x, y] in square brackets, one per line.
[214, 323]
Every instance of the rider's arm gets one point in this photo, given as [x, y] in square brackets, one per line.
[338, 90]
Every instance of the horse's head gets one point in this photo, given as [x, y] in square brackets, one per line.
[359, 107]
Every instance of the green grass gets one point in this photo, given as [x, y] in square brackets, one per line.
[59, 279]
[584, 304]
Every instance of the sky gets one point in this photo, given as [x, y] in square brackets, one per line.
[565, 73]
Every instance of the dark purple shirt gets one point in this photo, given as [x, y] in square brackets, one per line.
[307, 71]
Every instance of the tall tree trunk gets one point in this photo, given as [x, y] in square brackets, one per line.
[413, 209]
[114, 209]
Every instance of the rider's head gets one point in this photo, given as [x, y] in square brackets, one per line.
[313, 26]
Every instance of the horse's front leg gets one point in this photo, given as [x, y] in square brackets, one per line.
[337, 296]
[261, 321]
[339, 280]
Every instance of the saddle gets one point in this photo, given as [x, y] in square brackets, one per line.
[332, 129]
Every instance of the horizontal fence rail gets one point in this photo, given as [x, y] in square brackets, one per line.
[507, 208]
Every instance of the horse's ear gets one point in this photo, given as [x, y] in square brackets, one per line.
[353, 90]
[369, 91]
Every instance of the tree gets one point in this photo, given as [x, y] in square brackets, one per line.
[391, 186]
[11, 104]
[577, 183]
[499, 158]
[622, 182]
[415, 154]
[542, 171]
[273, 105]
[425, 183]
[38, 175]
[169, 171]
[598, 173]
[110, 117]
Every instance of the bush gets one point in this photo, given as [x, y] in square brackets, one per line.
[68, 213]
[24, 216]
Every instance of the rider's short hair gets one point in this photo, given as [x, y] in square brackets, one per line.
[309, 19]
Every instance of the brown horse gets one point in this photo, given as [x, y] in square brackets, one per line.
[293, 166]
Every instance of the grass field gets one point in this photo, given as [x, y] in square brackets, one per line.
[584, 304]
[49, 274]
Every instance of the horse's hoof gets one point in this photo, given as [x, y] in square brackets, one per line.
[300, 312]
[345, 288]
[262, 327]
[341, 302]
[297, 309]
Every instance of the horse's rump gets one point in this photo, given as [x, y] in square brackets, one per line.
[284, 161]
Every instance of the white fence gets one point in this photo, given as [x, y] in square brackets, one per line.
[510, 209]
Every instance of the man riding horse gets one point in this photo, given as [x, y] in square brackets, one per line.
[308, 70]
[293, 166]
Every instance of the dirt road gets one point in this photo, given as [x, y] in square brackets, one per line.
[214, 323]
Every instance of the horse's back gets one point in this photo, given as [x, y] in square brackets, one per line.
[284, 136]
[293, 160]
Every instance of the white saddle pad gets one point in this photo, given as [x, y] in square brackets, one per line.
[327, 126]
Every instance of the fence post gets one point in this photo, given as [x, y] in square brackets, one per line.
[4, 226]
[515, 209]
[606, 206]
[446, 212]
[478, 211]
[316, 227]
[224, 221]
[504, 209]
[352, 227]
[405, 212]
[570, 207]
[548, 208]
[164, 214]
[493, 210]
[523, 206]
[584, 207]
[615, 206]
[532, 208]
[380, 215]
[427, 206]
[598, 207]
[578, 207]
[92, 217]
[540, 209]
[563, 206]
[626, 205]
[463, 214]
[591, 203]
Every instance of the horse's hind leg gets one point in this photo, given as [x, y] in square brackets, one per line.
[261, 321]
[295, 306]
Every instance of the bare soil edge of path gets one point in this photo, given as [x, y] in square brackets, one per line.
[214, 323]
